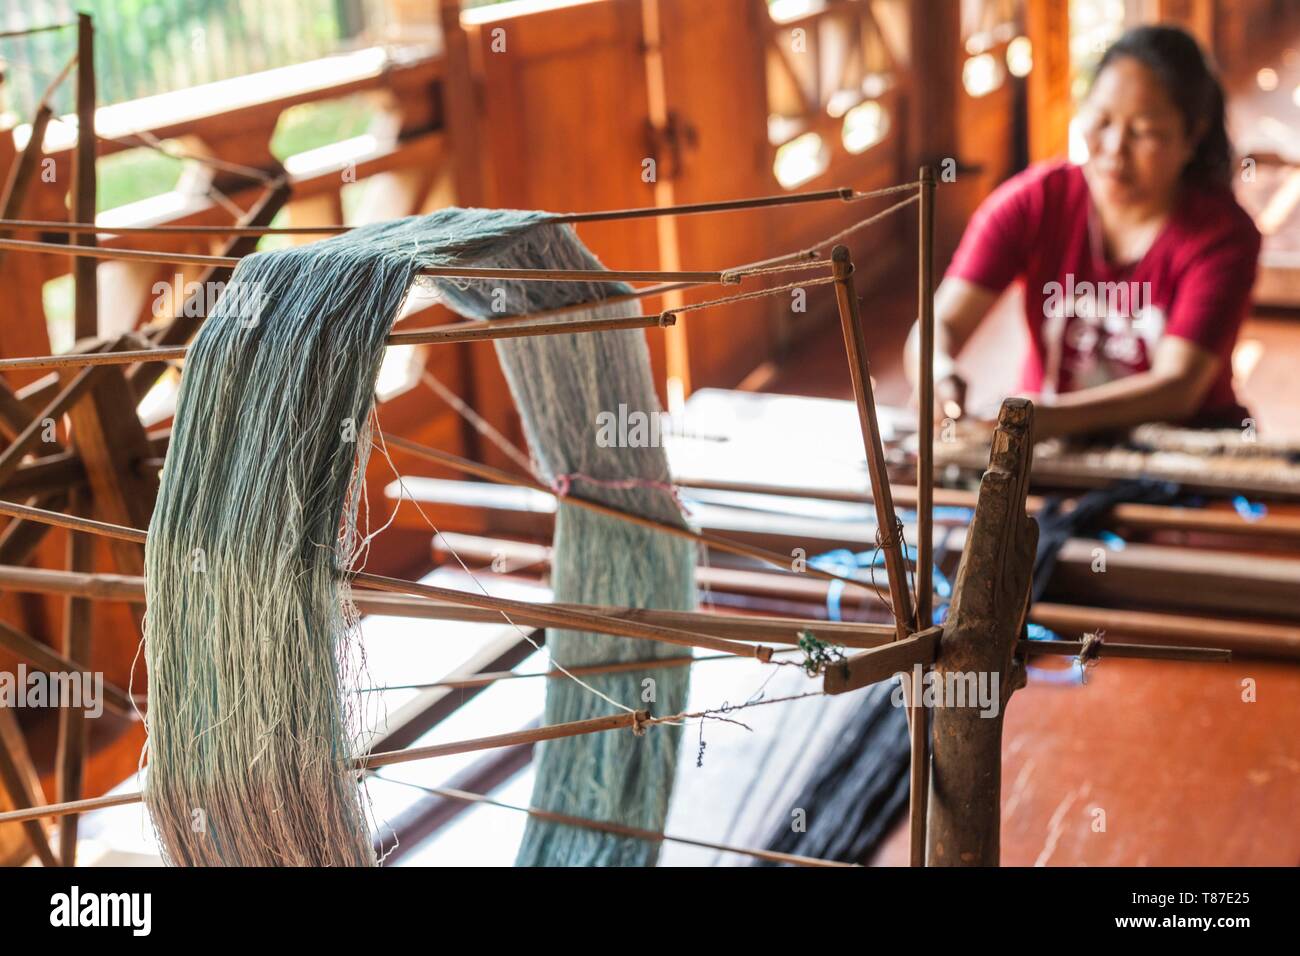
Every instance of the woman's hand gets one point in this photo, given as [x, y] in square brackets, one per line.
[949, 398]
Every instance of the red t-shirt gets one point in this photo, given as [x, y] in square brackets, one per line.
[1091, 321]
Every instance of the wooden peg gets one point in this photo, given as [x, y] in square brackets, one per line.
[882, 662]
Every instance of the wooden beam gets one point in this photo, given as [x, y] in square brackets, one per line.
[20, 537]
[85, 271]
[460, 107]
[49, 660]
[80, 383]
[109, 438]
[934, 80]
[50, 473]
[70, 756]
[1047, 24]
[925, 415]
[19, 777]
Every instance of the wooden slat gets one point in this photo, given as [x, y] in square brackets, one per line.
[70, 756]
[85, 272]
[19, 777]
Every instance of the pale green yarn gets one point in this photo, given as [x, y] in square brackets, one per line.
[560, 384]
[250, 705]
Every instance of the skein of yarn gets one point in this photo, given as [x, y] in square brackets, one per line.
[561, 385]
[249, 630]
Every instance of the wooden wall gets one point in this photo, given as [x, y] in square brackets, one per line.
[573, 98]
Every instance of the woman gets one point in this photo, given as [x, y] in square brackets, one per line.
[1137, 265]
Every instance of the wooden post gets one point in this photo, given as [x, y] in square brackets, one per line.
[891, 542]
[934, 99]
[85, 271]
[1047, 24]
[460, 106]
[70, 763]
[925, 422]
[984, 623]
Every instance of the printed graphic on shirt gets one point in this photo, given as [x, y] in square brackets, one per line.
[1096, 332]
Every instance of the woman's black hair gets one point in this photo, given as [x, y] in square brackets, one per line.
[1176, 58]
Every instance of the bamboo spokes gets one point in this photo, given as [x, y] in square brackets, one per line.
[520, 612]
[842, 193]
[446, 272]
[469, 331]
[706, 538]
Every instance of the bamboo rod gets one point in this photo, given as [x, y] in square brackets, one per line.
[1153, 652]
[447, 272]
[860, 372]
[70, 751]
[54, 811]
[85, 271]
[85, 227]
[739, 627]
[889, 538]
[920, 758]
[550, 615]
[717, 542]
[619, 829]
[540, 615]
[488, 678]
[1215, 635]
[470, 331]
[1248, 638]
[1236, 636]
[32, 31]
[574, 728]
[72, 522]
[925, 417]
[813, 252]
[372, 761]
[686, 209]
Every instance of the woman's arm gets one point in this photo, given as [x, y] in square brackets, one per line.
[959, 307]
[1180, 376]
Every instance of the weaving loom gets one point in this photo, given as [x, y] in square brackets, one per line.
[1210, 460]
[961, 822]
